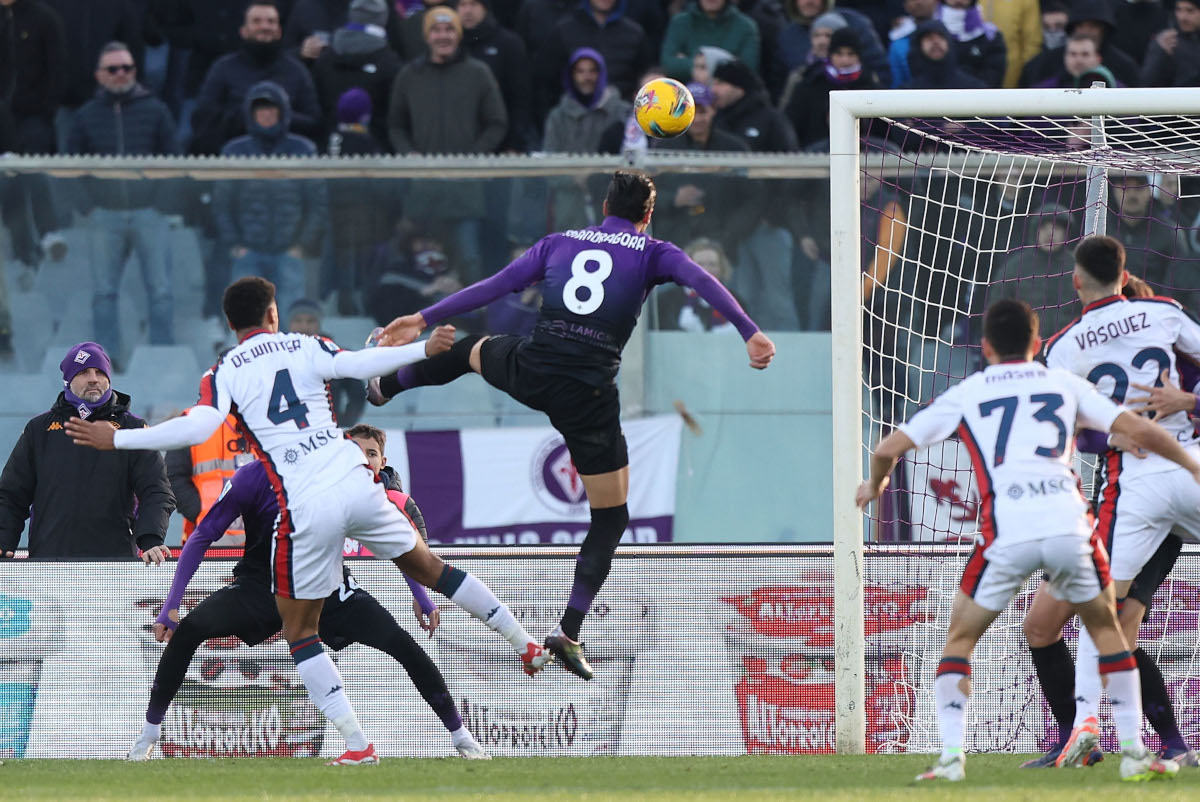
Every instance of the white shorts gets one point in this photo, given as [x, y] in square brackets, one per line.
[1137, 514]
[306, 551]
[1076, 569]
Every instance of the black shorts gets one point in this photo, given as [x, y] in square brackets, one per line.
[1155, 571]
[246, 610]
[588, 417]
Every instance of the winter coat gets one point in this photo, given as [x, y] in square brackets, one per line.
[944, 74]
[1049, 63]
[83, 503]
[808, 107]
[1021, 23]
[980, 51]
[133, 124]
[309, 16]
[219, 116]
[334, 73]
[731, 204]
[207, 29]
[536, 21]
[691, 28]
[1135, 25]
[504, 54]
[89, 25]
[272, 215]
[1041, 279]
[760, 125]
[1181, 68]
[33, 69]
[621, 41]
[576, 123]
[770, 20]
[795, 43]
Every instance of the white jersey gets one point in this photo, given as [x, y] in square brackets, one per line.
[1017, 421]
[1118, 342]
[276, 384]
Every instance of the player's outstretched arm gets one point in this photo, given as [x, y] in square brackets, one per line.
[187, 430]
[371, 362]
[890, 449]
[1153, 437]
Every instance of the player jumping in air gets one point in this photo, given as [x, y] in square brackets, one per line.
[1122, 346]
[1017, 420]
[594, 283]
[275, 384]
[245, 608]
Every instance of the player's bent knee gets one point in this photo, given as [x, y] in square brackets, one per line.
[475, 359]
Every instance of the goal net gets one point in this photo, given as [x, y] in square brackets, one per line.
[949, 201]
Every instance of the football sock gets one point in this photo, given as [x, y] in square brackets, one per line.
[477, 599]
[951, 702]
[1156, 702]
[425, 676]
[172, 668]
[151, 731]
[1125, 697]
[441, 369]
[593, 564]
[461, 735]
[1088, 686]
[1056, 674]
[325, 689]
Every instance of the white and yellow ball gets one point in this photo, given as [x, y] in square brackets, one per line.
[664, 108]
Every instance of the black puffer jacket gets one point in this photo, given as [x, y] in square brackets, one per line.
[84, 503]
[759, 124]
[32, 59]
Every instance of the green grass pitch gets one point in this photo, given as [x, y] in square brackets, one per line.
[994, 778]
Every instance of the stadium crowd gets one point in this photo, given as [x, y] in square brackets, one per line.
[344, 77]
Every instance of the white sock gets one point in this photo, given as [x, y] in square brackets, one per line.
[461, 735]
[151, 731]
[1088, 686]
[478, 600]
[1125, 694]
[951, 711]
[326, 691]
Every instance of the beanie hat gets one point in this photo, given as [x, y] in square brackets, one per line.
[81, 357]
[738, 73]
[702, 94]
[830, 21]
[369, 12]
[844, 37]
[440, 14]
[354, 107]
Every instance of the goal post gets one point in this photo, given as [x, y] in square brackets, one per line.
[1005, 137]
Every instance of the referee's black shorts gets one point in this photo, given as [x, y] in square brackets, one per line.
[588, 417]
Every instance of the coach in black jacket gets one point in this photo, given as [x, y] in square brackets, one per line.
[85, 504]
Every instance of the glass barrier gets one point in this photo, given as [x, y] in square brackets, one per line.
[135, 254]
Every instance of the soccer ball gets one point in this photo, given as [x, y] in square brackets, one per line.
[664, 108]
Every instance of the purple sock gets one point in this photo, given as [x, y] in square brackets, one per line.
[156, 711]
[443, 704]
[582, 595]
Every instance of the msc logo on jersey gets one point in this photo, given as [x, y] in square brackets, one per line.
[291, 456]
[555, 481]
[1045, 487]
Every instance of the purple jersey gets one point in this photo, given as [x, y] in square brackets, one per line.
[595, 282]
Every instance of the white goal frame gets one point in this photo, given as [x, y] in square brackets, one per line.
[845, 111]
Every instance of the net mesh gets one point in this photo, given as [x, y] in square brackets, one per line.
[958, 213]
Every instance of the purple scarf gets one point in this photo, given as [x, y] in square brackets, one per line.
[86, 408]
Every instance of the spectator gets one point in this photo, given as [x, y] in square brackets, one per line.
[311, 26]
[447, 102]
[413, 30]
[706, 60]
[220, 112]
[1173, 58]
[708, 22]
[410, 271]
[1054, 26]
[979, 46]
[808, 108]
[358, 56]
[1137, 22]
[933, 63]
[681, 308]
[89, 504]
[770, 20]
[820, 32]
[588, 106]
[1092, 18]
[517, 312]
[629, 139]
[900, 36]
[349, 395]
[352, 134]
[267, 226]
[1019, 22]
[125, 119]
[1039, 272]
[32, 71]
[742, 109]
[536, 20]
[795, 39]
[1154, 241]
[1081, 64]
[88, 25]
[504, 54]
[602, 26]
[198, 476]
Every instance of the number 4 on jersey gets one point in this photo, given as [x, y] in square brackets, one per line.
[284, 392]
